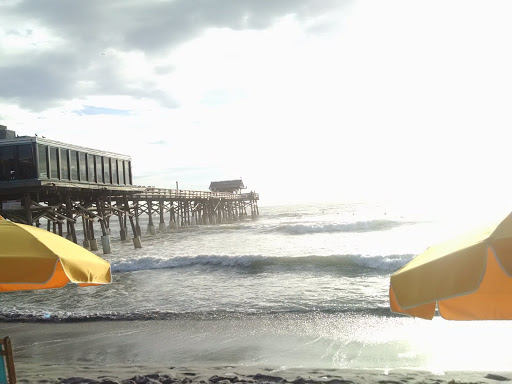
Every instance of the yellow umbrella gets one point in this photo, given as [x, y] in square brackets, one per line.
[32, 258]
[468, 278]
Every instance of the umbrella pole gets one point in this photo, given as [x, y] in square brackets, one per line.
[6, 351]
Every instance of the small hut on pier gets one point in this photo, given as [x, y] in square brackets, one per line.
[230, 186]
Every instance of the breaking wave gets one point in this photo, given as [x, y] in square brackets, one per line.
[358, 226]
[384, 263]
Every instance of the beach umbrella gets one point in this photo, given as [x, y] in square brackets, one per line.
[467, 278]
[33, 258]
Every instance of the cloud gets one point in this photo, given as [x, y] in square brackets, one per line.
[355, 97]
[54, 51]
[92, 110]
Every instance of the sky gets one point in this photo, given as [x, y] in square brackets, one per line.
[305, 100]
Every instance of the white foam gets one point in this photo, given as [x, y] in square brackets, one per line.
[148, 262]
[358, 226]
[388, 262]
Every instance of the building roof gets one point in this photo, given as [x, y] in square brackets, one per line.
[7, 141]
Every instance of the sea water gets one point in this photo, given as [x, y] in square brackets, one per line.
[300, 286]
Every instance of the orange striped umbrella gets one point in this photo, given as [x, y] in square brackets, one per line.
[32, 258]
[467, 278]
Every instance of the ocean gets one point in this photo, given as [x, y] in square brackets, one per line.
[300, 286]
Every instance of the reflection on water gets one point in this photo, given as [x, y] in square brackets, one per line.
[443, 345]
[315, 340]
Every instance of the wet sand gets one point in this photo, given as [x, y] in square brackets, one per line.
[213, 351]
[33, 373]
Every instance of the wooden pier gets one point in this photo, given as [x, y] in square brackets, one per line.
[61, 185]
[64, 207]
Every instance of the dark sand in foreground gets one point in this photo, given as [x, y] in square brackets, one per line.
[30, 373]
[223, 352]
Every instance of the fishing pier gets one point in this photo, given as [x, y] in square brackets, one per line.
[61, 185]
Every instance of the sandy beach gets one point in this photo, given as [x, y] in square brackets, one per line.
[35, 373]
[183, 352]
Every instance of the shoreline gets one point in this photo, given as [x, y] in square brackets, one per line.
[124, 374]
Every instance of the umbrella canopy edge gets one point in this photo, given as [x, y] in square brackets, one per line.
[33, 258]
[440, 277]
[79, 265]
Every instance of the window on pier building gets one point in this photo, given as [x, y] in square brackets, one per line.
[42, 153]
[113, 164]
[7, 163]
[127, 173]
[106, 169]
[82, 164]
[91, 168]
[64, 166]
[121, 172]
[54, 163]
[17, 162]
[26, 162]
[99, 169]
[73, 164]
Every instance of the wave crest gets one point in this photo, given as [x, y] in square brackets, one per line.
[338, 262]
[358, 226]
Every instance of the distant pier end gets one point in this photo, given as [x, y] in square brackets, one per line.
[42, 179]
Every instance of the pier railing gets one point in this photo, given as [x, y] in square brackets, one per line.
[162, 193]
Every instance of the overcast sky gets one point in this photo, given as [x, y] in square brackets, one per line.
[304, 100]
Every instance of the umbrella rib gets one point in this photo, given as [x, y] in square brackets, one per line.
[499, 262]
